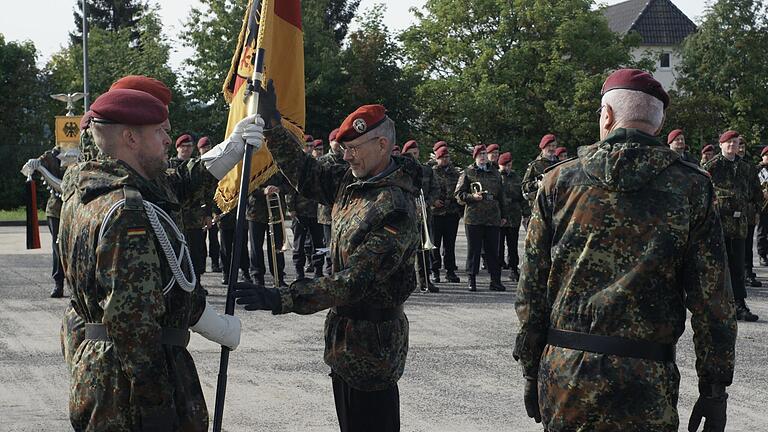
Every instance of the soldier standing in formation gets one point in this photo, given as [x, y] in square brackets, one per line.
[517, 209]
[138, 299]
[479, 189]
[258, 229]
[707, 153]
[446, 213]
[374, 227]
[731, 177]
[561, 153]
[306, 231]
[212, 230]
[676, 141]
[431, 189]
[493, 155]
[335, 156]
[535, 170]
[754, 203]
[762, 225]
[616, 237]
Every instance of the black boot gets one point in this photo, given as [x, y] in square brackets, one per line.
[472, 283]
[224, 277]
[496, 284]
[436, 276]
[743, 313]
[58, 290]
[318, 271]
[246, 277]
[215, 266]
[514, 275]
[451, 277]
[764, 261]
[300, 272]
[753, 282]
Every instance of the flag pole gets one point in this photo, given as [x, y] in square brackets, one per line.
[87, 98]
[240, 228]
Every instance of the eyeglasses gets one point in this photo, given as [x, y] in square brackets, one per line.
[599, 110]
[353, 149]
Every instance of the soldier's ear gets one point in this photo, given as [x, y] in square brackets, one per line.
[661, 126]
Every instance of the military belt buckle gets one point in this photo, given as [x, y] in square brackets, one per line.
[737, 214]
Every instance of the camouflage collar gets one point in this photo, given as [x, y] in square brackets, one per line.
[623, 135]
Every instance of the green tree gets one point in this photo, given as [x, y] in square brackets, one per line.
[25, 120]
[723, 73]
[511, 71]
[110, 15]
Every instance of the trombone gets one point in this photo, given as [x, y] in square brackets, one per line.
[276, 216]
[427, 245]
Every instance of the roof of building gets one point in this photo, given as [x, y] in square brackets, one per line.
[659, 22]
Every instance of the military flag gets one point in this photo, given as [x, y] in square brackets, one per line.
[275, 26]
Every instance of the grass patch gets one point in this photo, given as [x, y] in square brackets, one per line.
[19, 214]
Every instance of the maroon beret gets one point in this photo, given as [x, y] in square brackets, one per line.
[409, 145]
[708, 148]
[396, 148]
[477, 149]
[635, 79]
[318, 143]
[146, 84]
[438, 145]
[492, 148]
[126, 106]
[203, 142]
[361, 121]
[546, 139]
[332, 135]
[560, 150]
[728, 135]
[441, 152]
[505, 158]
[764, 151]
[308, 139]
[186, 138]
[674, 134]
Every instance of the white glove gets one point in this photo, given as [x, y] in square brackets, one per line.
[28, 168]
[222, 158]
[249, 130]
[222, 329]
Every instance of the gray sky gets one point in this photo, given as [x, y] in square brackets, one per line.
[48, 22]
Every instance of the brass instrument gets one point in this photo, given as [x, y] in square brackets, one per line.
[276, 216]
[427, 245]
[477, 187]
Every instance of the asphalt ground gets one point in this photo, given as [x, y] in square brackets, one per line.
[460, 375]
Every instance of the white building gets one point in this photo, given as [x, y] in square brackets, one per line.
[662, 27]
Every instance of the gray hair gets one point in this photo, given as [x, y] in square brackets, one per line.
[387, 130]
[631, 106]
[105, 136]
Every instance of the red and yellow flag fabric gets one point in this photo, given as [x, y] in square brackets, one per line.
[275, 26]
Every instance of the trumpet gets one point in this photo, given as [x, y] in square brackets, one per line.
[276, 216]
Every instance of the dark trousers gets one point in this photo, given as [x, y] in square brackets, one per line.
[214, 251]
[57, 271]
[307, 236]
[444, 229]
[508, 235]
[327, 237]
[483, 239]
[259, 232]
[735, 249]
[748, 248]
[762, 234]
[362, 411]
[227, 248]
[196, 243]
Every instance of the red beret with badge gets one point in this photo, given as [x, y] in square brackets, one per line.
[438, 145]
[546, 139]
[728, 135]
[409, 145]
[492, 148]
[478, 149]
[203, 142]
[674, 134]
[362, 121]
[637, 80]
[185, 139]
[505, 158]
[708, 148]
[125, 106]
[441, 152]
[146, 84]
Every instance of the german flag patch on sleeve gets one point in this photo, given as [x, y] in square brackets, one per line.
[137, 231]
[390, 229]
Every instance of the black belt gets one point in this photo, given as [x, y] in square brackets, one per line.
[169, 336]
[369, 314]
[612, 345]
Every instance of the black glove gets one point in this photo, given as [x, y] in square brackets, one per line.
[268, 105]
[712, 405]
[531, 398]
[257, 297]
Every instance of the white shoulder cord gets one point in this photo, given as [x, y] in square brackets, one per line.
[174, 260]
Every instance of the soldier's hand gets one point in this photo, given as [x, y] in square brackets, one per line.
[711, 405]
[257, 297]
[503, 221]
[268, 105]
[439, 204]
[531, 399]
[32, 164]
[249, 130]
[477, 196]
[271, 189]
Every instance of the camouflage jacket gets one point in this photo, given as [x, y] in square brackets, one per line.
[733, 191]
[533, 173]
[762, 175]
[688, 157]
[324, 211]
[490, 209]
[195, 203]
[622, 240]
[755, 202]
[374, 238]
[447, 177]
[517, 206]
[304, 207]
[118, 275]
[51, 162]
[257, 201]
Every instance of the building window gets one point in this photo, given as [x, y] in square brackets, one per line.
[664, 61]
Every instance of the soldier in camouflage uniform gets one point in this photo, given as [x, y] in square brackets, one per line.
[446, 212]
[622, 239]
[707, 153]
[517, 209]
[375, 237]
[752, 209]
[335, 156]
[306, 230]
[483, 215]
[493, 156]
[211, 229]
[733, 188]
[762, 225]
[137, 297]
[536, 167]
[432, 192]
[676, 141]
[258, 229]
